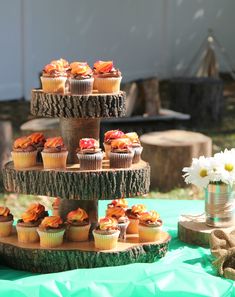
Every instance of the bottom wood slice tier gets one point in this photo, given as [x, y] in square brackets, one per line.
[72, 255]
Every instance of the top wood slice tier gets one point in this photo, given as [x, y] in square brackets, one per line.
[73, 183]
[78, 106]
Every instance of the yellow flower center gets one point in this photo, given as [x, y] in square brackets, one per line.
[203, 173]
[228, 167]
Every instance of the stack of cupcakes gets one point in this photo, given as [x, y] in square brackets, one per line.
[6, 221]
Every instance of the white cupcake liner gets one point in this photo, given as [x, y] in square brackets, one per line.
[53, 84]
[137, 154]
[78, 233]
[50, 239]
[24, 159]
[108, 84]
[106, 241]
[27, 234]
[120, 160]
[54, 160]
[149, 233]
[90, 161]
[81, 86]
[5, 228]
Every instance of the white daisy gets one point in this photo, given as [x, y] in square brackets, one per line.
[226, 165]
[199, 172]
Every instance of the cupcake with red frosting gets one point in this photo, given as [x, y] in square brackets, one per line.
[27, 225]
[23, 153]
[136, 146]
[107, 77]
[118, 212]
[133, 215]
[106, 234]
[6, 221]
[78, 225]
[54, 154]
[150, 226]
[54, 76]
[109, 136]
[38, 140]
[89, 154]
[121, 154]
[51, 232]
[80, 78]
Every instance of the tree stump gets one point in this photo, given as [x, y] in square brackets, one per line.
[169, 151]
[5, 147]
[202, 98]
[49, 127]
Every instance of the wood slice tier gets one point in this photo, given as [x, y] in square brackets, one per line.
[72, 255]
[193, 230]
[78, 106]
[72, 183]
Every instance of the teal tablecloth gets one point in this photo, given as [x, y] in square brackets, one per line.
[185, 271]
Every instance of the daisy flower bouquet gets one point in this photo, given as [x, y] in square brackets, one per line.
[217, 176]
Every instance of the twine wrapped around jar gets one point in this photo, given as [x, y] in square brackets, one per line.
[219, 205]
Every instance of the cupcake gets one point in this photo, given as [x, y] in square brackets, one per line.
[109, 136]
[54, 154]
[133, 215]
[24, 153]
[27, 225]
[89, 154]
[78, 225]
[6, 221]
[54, 76]
[106, 234]
[121, 154]
[136, 146]
[51, 232]
[119, 213]
[80, 78]
[38, 140]
[149, 226]
[107, 77]
[55, 206]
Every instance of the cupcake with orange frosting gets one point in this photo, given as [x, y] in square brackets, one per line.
[150, 226]
[107, 77]
[109, 136]
[78, 225]
[89, 154]
[27, 225]
[51, 232]
[133, 215]
[121, 154]
[54, 154]
[23, 153]
[106, 234]
[6, 221]
[54, 76]
[38, 140]
[119, 213]
[80, 78]
[122, 203]
[136, 146]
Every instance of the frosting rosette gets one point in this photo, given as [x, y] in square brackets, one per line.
[56, 68]
[79, 215]
[112, 134]
[80, 69]
[37, 208]
[37, 138]
[53, 222]
[4, 211]
[149, 217]
[119, 203]
[29, 216]
[121, 145]
[88, 143]
[116, 212]
[108, 224]
[106, 69]
[138, 208]
[134, 138]
[62, 62]
[54, 144]
[22, 143]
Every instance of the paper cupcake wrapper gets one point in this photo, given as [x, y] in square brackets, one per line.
[78, 233]
[120, 160]
[5, 228]
[24, 159]
[137, 154]
[133, 227]
[147, 234]
[123, 227]
[27, 234]
[54, 160]
[90, 161]
[107, 148]
[106, 241]
[81, 86]
[50, 239]
[53, 84]
[108, 84]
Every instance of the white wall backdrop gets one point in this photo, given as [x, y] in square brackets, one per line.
[144, 38]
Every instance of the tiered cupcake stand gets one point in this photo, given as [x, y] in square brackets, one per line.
[79, 117]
